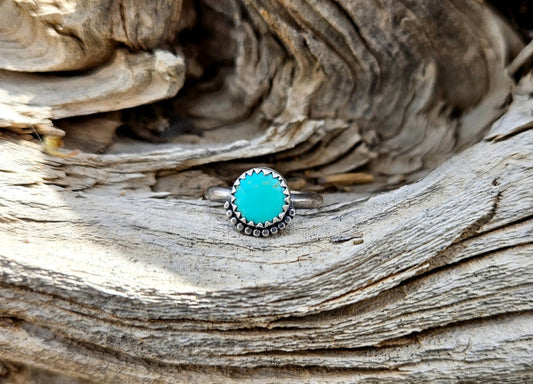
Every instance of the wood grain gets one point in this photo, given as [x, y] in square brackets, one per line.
[114, 270]
[44, 36]
[396, 88]
[444, 263]
[129, 80]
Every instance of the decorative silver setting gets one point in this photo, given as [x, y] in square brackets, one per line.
[266, 228]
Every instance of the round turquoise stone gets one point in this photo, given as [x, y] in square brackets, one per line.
[259, 197]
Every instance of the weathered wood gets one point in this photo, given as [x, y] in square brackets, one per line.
[114, 270]
[362, 64]
[44, 36]
[128, 80]
[387, 87]
[437, 255]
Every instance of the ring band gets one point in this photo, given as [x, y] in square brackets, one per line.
[260, 202]
[306, 200]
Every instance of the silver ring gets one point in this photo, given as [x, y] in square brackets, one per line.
[260, 202]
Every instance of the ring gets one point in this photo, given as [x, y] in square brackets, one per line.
[260, 202]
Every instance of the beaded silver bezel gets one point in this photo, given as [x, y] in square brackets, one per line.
[267, 228]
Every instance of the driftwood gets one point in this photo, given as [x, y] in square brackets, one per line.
[114, 269]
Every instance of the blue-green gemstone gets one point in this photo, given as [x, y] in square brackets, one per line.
[259, 197]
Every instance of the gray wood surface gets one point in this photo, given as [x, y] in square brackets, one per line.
[113, 269]
[164, 290]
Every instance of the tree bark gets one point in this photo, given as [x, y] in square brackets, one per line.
[114, 270]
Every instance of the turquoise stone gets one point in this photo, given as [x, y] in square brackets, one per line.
[259, 197]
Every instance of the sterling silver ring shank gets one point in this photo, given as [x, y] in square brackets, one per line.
[306, 200]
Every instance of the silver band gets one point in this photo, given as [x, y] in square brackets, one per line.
[299, 199]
